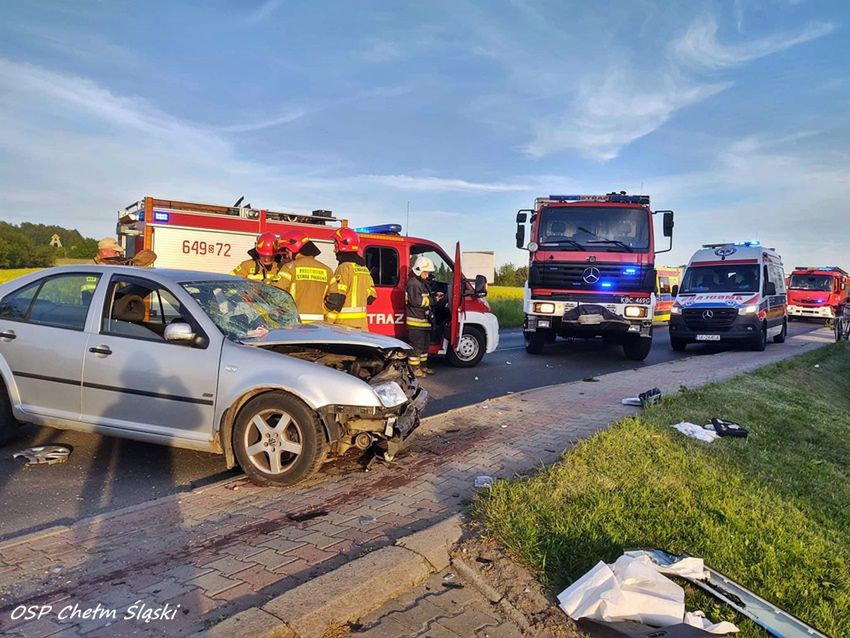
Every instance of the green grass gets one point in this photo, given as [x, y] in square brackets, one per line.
[772, 512]
[506, 304]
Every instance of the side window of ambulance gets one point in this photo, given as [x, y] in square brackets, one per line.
[664, 285]
[382, 262]
[777, 277]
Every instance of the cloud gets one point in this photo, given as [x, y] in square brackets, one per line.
[413, 183]
[263, 11]
[284, 118]
[699, 46]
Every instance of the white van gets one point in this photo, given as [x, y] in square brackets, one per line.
[732, 293]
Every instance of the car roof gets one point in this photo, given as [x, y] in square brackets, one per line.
[172, 274]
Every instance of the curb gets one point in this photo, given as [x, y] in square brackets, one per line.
[348, 592]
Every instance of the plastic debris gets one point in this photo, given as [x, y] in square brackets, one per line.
[44, 454]
[366, 520]
[483, 481]
[650, 397]
[476, 378]
[631, 401]
[696, 431]
[507, 363]
[728, 428]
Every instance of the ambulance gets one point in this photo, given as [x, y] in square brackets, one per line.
[205, 237]
[665, 278]
[731, 293]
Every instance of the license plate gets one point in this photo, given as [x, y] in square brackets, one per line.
[708, 337]
[543, 324]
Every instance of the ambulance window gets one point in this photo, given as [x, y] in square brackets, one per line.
[664, 285]
[382, 262]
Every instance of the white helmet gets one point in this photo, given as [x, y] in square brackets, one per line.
[423, 264]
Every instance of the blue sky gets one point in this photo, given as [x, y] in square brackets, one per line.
[734, 114]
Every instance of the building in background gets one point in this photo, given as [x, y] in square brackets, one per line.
[480, 262]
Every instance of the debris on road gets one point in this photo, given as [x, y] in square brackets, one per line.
[300, 517]
[706, 435]
[366, 520]
[728, 428]
[650, 397]
[483, 481]
[44, 454]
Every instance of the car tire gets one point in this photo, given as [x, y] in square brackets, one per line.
[470, 350]
[273, 452]
[636, 348]
[760, 342]
[9, 425]
[780, 338]
[534, 342]
[678, 345]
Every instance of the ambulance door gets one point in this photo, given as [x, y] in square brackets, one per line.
[386, 314]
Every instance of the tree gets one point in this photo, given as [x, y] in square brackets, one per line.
[506, 275]
[18, 251]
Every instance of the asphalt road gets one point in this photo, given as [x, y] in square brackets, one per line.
[105, 473]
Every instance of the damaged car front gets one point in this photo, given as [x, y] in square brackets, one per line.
[292, 394]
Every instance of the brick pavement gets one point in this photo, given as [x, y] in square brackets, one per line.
[228, 547]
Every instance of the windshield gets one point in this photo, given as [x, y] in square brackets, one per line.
[594, 227]
[243, 309]
[721, 278]
[811, 282]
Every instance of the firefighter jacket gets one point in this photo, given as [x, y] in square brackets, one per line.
[350, 290]
[252, 269]
[417, 300]
[306, 279]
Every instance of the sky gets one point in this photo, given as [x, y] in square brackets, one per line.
[733, 114]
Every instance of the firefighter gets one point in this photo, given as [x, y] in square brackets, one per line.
[419, 315]
[264, 264]
[304, 276]
[351, 288]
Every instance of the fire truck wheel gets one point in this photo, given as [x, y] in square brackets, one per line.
[8, 423]
[760, 342]
[678, 345]
[637, 348]
[470, 350]
[780, 338]
[278, 440]
[534, 342]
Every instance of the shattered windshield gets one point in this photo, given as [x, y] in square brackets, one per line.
[598, 227]
[721, 278]
[243, 309]
[811, 282]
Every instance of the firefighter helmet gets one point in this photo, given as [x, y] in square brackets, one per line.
[423, 264]
[347, 241]
[266, 245]
[293, 240]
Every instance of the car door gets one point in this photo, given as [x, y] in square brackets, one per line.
[42, 341]
[136, 380]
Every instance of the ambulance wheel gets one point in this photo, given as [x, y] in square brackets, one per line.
[278, 440]
[534, 342]
[470, 349]
[9, 426]
[637, 348]
[780, 338]
[760, 342]
[678, 345]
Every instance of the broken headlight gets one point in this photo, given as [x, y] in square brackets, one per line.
[390, 394]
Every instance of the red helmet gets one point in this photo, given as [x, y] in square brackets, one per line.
[347, 241]
[266, 245]
[294, 240]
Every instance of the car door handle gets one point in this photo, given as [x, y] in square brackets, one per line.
[101, 350]
[8, 335]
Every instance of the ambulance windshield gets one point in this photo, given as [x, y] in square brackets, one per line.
[721, 278]
[811, 282]
[243, 309]
[598, 228]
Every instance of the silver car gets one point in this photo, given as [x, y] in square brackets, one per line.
[200, 361]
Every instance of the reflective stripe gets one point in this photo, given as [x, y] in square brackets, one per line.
[353, 310]
[342, 287]
[309, 317]
[353, 315]
[418, 323]
[283, 273]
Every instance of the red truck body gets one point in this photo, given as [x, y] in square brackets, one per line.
[817, 292]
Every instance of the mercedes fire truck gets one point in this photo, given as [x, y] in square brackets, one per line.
[817, 292]
[591, 270]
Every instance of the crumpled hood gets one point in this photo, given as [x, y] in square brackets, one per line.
[325, 334]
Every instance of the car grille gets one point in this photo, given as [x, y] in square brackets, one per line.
[722, 318]
[559, 274]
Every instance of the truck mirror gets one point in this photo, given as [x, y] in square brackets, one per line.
[480, 286]
[521, 217]
[675, 290]
[520, 236]
[668, 224]
[769, 288]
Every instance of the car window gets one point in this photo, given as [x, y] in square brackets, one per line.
[443, 272]
[61, 301]
[382, 262]
[141, 309]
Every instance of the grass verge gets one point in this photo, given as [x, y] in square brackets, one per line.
[771, 512]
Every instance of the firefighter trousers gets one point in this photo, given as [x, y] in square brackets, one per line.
[419, 339]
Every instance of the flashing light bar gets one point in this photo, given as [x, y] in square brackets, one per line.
[606, 284]
[380, 229]
[630, 271]
[824, 268]
[747, 243]
[621, 198]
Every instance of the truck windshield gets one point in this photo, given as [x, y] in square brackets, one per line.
[811, 282]
[721, 278]
[242, 309]
[594, 227]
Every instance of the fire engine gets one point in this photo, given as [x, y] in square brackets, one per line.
[591, 270]
[817, 292]
[210, 238]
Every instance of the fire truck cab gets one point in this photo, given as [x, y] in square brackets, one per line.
[211, 238]
[817, 292]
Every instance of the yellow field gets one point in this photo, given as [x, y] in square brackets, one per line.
[504, 292]
[9, 275]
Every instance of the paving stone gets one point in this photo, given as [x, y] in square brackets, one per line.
[213, 583]
[271, 560]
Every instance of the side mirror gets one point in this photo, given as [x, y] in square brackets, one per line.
[668, 223]
[520, 236]
[480, 286]
[675, 290]
[521, 217]
[180, 332]
[769, 288]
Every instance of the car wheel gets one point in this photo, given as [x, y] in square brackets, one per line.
[470, 349]
[9, 425]
[534, 342]
[761, 339]
[278, 440]
[780, 338]
[637, 348]
[678, 345]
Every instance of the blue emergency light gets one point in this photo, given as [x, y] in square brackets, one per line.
[747, 243]
[606, 284]
[380, 229]
[630, 271]
[611, 197]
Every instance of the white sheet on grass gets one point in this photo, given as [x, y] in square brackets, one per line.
[696, 431]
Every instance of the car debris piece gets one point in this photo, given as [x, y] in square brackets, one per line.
[631, 401]
[44, 454]
[366, 520]
[650, 397]
[728, 428]
[307, 516]
[483, 481]
[632, 629]
[696, 431]
[766, 615]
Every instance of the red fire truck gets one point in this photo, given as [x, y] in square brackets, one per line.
[591, 270]
[210, 238]
[817, 292]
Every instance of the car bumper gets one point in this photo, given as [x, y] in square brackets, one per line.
[743, 328]
[590, 320]
[817, 312]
